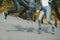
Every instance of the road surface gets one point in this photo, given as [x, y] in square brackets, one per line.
[16, 29]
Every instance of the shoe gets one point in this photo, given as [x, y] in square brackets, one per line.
[5, 14]
[20, 16]
[53, 30]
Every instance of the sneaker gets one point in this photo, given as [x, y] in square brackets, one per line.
[53, 30]
[5, 14]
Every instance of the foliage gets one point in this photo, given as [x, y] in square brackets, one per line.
[5, 5]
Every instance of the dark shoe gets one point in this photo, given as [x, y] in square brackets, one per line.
[53, 29]
[20, 16]
[5, 14]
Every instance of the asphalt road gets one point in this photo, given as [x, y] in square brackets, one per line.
[16, 29]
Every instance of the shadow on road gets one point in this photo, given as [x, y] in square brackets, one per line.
[20, 28]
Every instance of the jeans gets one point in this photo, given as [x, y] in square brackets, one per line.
[30, 14]
[17, 9]
[26, 7]
[47, 10]
[17, 5]
[24, 10]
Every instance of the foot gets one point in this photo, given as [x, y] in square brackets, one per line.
[53, 30]
[20, 16]
[5, 14]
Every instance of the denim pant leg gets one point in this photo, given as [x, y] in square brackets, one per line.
[25, 7]
[30, 14]
[48, 15]
[17, 5]
[40, 17]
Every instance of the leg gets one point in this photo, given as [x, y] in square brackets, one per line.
[48, 15]
[22, 12]
[40, 17]
[32, 13]
[39, 21]
[23, 3]
[16, 3]
[29, 21]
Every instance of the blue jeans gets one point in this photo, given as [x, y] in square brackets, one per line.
[47, 10]
[17, 5]
[30, 14]
[26, 7]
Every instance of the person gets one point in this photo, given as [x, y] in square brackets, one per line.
[17, 9]
[31, 11]
[45, 8]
